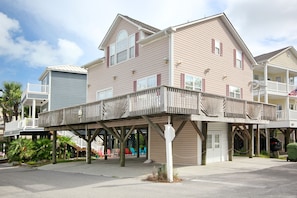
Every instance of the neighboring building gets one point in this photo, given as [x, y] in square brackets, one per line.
[61, 86]
[275, 83]
[196, 76]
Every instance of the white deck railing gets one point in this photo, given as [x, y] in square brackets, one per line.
[24, 124]
[159, 100]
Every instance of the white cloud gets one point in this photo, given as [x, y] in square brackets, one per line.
[36, 53]
[264, 25]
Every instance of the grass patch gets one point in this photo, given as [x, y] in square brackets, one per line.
[161, 176]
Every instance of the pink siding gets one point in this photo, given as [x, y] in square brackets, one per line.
[149, 62]
[193, 45]
[185, 148]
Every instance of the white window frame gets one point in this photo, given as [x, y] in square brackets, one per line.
[190, 82]
[146, 82]
[234, 92]
[123, 49]
[239, 59]
[292, 80]
[131, 50]
[107, 93]
[112, 54]
[122, 46]
[217, 47]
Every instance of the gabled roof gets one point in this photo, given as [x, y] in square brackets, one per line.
[271, 55]
[140, 25]
[64, 68]
[225, 20]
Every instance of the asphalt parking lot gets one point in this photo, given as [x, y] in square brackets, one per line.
[244, 177]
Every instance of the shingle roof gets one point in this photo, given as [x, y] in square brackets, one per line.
[264, 57]
[141, 24]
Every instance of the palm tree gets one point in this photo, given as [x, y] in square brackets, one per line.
[21, 150]
[10, 100]
[63, 142]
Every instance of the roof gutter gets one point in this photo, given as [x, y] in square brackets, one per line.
[156, 36]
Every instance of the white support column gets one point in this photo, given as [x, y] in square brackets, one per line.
[33, 113]
[287, 107]
[22, 116]
[265, 81]
[169, 136]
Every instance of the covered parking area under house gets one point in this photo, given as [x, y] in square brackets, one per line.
[195, 117]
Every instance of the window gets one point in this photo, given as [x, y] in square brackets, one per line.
[132, 46]
[292, 106]
[217, 141]
[112, 54]
[238, 59]
[217, 47]
[209, 142]
[123, 48]
[147, 82]
[291, 81]
[193, 82]
[104, 94]
[234, 92]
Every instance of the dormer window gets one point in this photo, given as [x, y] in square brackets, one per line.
[121, 46]
[132, 46]
[123, 49]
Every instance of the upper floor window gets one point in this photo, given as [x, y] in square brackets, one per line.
[123, 49]
[217, 47]
[292, 80]
[132, 46]
[235, 92]
[112, 54]
[122, 46]
[147, 82]
[104, 94]
[238, 59]
[193, 82]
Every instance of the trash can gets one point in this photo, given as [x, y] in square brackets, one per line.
[292, 152]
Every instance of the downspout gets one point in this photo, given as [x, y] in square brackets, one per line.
[171, 55]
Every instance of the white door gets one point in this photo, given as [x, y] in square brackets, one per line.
[214, 148]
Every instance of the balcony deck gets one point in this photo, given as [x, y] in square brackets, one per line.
[26, 125]
[36, 92]
[160, 101]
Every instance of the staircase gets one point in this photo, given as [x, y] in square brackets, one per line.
[81, 144]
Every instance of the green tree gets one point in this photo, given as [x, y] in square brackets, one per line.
[43, 149]
[21, 150]
[63, 142]
[10, 100]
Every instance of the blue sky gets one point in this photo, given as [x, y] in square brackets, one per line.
[35, 34]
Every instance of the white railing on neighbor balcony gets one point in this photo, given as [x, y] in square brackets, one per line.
[24, 124]
[35, 88]
[285, 115]
[275, 86]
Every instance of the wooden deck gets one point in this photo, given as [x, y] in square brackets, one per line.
[160, 101]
